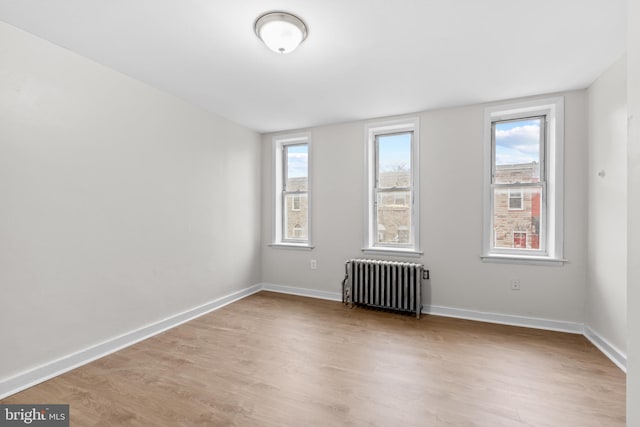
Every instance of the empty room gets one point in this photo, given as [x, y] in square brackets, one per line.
[292, 213]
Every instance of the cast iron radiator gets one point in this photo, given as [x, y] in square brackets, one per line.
[384, 284]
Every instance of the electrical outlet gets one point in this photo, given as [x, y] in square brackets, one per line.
[314, 264]
[515, 284]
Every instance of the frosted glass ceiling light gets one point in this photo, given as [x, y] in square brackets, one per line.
[282, 32]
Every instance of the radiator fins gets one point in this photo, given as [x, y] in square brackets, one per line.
[384, 284]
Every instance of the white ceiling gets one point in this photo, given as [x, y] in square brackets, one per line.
[362, 59]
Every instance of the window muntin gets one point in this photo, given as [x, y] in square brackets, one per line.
[540, 161]
[392, 175]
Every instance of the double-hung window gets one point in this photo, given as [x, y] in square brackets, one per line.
[523, 181]
[392, 161]
[292, 191]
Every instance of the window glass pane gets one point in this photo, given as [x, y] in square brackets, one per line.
[393, 213]
[297, 167]
[295, 217]
[517, 228]
[393, 167]
[517, 151]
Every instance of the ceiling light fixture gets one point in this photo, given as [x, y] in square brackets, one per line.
[282, 32]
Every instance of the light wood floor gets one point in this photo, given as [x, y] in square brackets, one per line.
[279, 360]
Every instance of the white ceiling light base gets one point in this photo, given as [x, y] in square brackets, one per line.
[282, 32]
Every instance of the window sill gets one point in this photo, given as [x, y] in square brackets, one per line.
[294, 246]
[393, 252]
[523, 259]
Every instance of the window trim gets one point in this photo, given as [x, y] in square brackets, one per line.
[552, 193]
[279, 142]
[371, 132]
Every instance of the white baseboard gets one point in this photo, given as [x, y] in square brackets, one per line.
[528, 322]
[505, 319]
[609, 350]
[616, 356]
[312, 293]
[23, 380]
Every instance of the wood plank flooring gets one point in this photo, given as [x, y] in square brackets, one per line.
[280, 360]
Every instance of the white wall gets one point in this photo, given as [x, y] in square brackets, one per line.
[451, 218]
[633, 292]
[120, 205]
[606, 312]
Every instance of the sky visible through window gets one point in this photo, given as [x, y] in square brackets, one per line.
[517, 142]
[394, 152]
[297, 160]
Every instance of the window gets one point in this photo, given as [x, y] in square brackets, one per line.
[515, 200]
[292, 195]
[523, 181]
[392, 190]
[295, 203]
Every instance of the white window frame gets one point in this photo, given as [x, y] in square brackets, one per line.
[373, 130]
[279, 142]
[552, 197]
